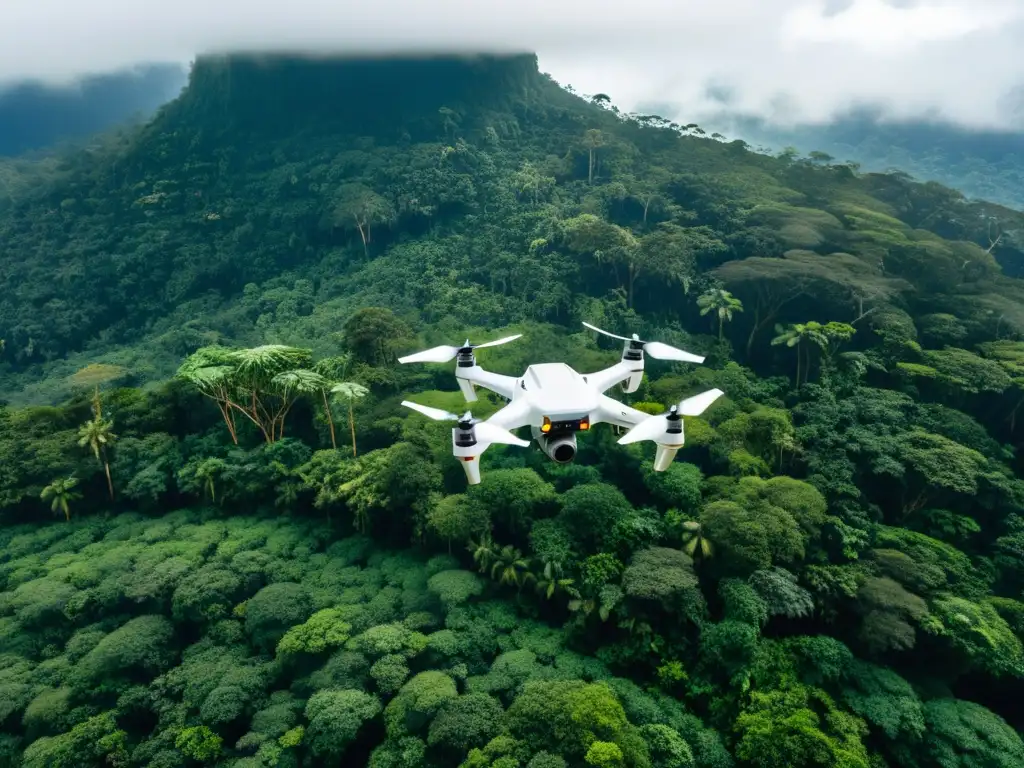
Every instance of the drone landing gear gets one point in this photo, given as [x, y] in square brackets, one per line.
[463, 452]
[664, 456]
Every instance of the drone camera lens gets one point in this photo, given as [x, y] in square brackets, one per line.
[564, 452]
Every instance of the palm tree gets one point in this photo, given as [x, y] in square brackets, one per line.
[301, 382]
[722, 303]
[695, 544]
[800, 335]
[264, 402]
[349, 391]
[210, 370]
[62, 493]
[97, 434]
[482, 551]
[333, 369]
[551, 580]
[510, 567]
[207, 472]
[785, 441]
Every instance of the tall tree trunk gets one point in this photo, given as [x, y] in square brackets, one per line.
[106, 467]
[330, 421]
[225, 411]
[1013, 414]
[352, 426]
[268, 437]
[799, 357]
[362, 235]
[720, 323]
[753, 331]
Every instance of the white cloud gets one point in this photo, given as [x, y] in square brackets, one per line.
[894, 28]
[783, 59]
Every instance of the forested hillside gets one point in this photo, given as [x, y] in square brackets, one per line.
[985, 165]
[226, 543]
[35, 116]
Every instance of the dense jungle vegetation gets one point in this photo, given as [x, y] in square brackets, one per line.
[985, 165]
[37, 117]
[225, 543]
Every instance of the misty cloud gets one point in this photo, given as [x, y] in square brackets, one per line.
[785, 60]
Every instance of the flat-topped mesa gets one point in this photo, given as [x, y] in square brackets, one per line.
[369, 95]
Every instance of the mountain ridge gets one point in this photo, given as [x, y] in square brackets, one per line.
[159, 213]
[203, 319]
[984, 165]
[35, 117]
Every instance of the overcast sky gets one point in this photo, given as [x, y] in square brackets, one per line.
[782, 59]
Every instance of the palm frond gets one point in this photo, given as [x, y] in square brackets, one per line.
[266, 361]
[300, 380]
[349, 390]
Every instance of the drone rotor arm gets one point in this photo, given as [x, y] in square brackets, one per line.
[496, 382]
[651, 428]
[608, 377]
[656, 427]
[514, 415]
[492, 433]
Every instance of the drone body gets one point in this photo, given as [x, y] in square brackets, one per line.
[557, 403]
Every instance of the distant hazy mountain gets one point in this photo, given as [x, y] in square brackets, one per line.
[982, 164]
[34, 116]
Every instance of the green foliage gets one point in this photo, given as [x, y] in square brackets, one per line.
[831, 554]
[667, 748]
[96, 739]
[783, 728]
[389, 672]
[142, 644]
[455, 587]
[271, 611]
[963, 733]
[335, 718]
[474, 718]
[676, 487]
[199, 743]
[325, 630]
[417, 702]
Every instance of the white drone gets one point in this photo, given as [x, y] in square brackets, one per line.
[557, 402]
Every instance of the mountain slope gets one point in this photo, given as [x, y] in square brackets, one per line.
[35, 117]
[828, 574]
[984, 165]
[254, 173]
